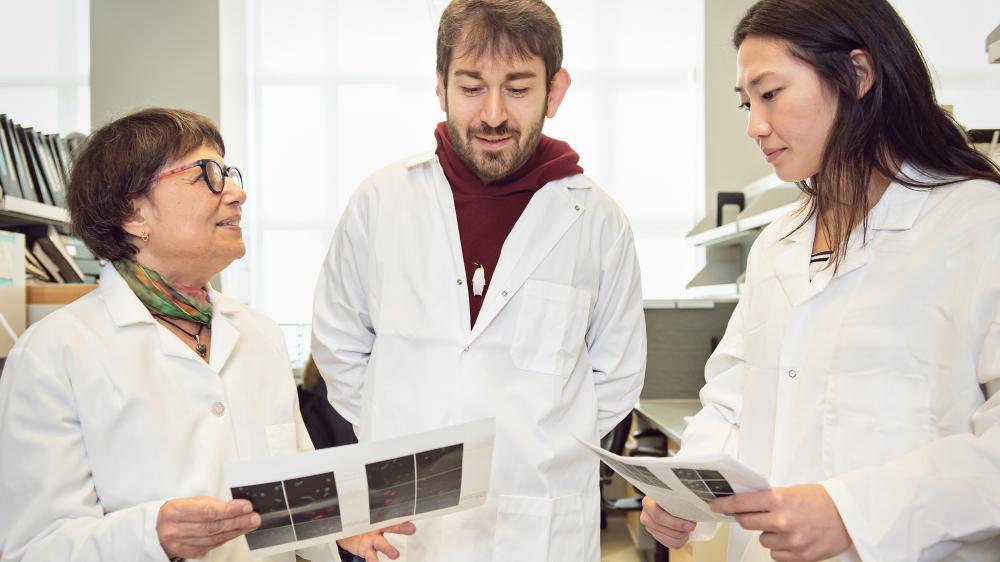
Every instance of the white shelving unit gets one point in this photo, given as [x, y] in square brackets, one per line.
[16, 211]
[723, 275]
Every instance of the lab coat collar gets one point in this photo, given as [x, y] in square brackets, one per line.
[898, 209]
[900, 205]
[420, 159]
[126, 309]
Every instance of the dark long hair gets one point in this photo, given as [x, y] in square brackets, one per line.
[898, 120]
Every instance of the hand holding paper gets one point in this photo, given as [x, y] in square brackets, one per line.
[310, 498]
[191, 527]
[685, 487]
[797, 523]
[669, 530]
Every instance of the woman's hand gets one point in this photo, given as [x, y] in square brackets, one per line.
[190, 527]
[669, 530]
[799, 523]
[369, 544]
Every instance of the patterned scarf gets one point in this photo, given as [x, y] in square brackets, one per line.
[162, 297]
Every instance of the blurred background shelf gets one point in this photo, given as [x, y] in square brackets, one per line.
[728, 245]
[15, 211]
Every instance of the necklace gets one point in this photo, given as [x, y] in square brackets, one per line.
[201, 348]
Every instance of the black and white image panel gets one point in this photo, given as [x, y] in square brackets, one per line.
[686, 474]
[719, 487]
[439, 478]
[644, 475]
[314, 504]
[275, 520]
[706, 484]
[391, 488]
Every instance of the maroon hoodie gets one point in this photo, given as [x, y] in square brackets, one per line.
[487, 212]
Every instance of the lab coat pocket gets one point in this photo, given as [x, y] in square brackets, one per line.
[531, 529]
[281, 438]
[551, 325]
[877, 414]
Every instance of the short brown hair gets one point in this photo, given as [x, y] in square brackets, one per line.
[500, 28]
[117, 163]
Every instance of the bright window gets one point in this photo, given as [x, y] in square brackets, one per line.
[953, 40]
[344, 87]
[44, 76]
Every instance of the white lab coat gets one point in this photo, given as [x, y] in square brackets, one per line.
[105, 415]
[879, 382]
[558, 350]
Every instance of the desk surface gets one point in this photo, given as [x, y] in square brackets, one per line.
[668, 414]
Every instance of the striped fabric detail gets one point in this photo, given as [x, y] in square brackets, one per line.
[821, 257]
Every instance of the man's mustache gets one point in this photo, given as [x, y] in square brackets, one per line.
[501, 130]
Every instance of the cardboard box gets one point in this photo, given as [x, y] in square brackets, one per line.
[58, 293]
[42, 300]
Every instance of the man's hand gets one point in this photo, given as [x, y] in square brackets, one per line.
[190, 527]
[669, 530]
[369, 544]
[799, 523]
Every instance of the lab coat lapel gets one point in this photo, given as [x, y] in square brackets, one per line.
[449, 218]
[898, 209]
[792, 263]
[225, 335]
[549, 214]
[126, 310]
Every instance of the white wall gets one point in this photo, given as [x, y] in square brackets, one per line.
[153, 53]
[732, 160]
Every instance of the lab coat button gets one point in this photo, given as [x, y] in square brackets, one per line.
[503, 293]
[792, 374]
[218, 409]
[577, 207]
[459, 281]
[466, 348]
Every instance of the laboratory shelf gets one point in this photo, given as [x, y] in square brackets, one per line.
[15, 211]
[705, 234]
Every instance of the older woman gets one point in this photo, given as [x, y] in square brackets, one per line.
[118, 411]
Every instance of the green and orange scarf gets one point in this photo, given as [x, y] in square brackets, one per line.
[159, 295]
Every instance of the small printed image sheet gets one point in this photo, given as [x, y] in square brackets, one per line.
[684, 487]
[316, 497]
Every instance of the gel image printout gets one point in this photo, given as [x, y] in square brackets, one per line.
[439, 478]
[314, 505]
[275, 520]
[391, 488]
[706, 484]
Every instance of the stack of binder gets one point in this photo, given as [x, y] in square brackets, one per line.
[33, 166]
[52, 257]
[36, 167]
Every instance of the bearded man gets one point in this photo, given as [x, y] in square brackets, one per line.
[489, 278]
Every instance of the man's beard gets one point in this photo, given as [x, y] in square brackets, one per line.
[492, 165]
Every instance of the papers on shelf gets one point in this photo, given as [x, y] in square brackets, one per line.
[315, 497]
[684, 487]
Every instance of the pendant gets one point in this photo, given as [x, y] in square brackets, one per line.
[201, 349]
[478, 280]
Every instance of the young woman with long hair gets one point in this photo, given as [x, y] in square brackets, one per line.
[860, 369]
